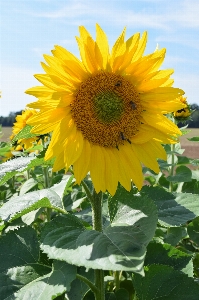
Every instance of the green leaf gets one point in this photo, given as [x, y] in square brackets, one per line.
[194, 139]
[12, 167]
[191, 187]
[174, 235]
[121, 246]
[23, 275]
[19, 262]
[165, 254]
[4, 150]
[21, 205]
[30, 217]
[173, 210]
[195, 174]
[183, 174]
[193, 230]
[163, 282]
[24, 134]
[51, 285]
[183, 160]
[122, 294]
[27, 186]
[110, 296]
[78, 287]
[40, 162]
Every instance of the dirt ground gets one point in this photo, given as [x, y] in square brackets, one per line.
[191, 148]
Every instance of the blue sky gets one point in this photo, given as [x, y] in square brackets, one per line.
[30, 28]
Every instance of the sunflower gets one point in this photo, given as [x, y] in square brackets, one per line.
[21, 122]
[184, 113]
[106, 111]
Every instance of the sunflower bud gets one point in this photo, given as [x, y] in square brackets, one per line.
[184, 114]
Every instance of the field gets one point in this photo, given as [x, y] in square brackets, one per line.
[191, 148]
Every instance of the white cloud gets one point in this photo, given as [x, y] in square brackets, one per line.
[165, 15]
[13, 84]
[190, 84]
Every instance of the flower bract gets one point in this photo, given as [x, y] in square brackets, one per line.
[106, 111]
[21, 122]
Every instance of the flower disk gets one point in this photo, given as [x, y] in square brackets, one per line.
[106, 111]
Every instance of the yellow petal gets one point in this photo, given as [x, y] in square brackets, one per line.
[131, 47]
[102, 43]
[44, 128]
[61, 132]
[111, 170]
[39, 91]
[162, 123]
[119, 47]
[131, 164]
[59, 163]
[162, 94]
[73, 148]
[97, 168]
[81, 165]
[148, 154]
[141, 47]
[47, 81]
[162, 107]
[51, 115]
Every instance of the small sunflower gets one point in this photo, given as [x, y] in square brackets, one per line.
[183, 114]
[106, 111]
[21, 122]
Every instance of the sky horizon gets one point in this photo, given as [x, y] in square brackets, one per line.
[30, 29]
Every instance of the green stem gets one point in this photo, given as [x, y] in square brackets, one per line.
[172, 167]
[96, 204]
[47, 185]
[117, 280]
[28, 174]
[88, 193]
[88, 282]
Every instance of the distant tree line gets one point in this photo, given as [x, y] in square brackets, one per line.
[194, 123]
[8, 121]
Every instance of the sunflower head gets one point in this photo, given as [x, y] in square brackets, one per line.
[106, 111]
[183, 114]
[21, 122]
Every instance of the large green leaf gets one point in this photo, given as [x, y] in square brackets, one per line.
[19, 263]
[193, 230]
[173, 209]
[21, 205]
[163, 282]
[183, 174]
[12, 167]
[121, 246]
[51, 285]
[23, 275]
[165, 254]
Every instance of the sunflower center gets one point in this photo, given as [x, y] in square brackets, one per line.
[108, 106]
[107, 109]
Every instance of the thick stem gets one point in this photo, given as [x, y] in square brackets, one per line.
[96, 204]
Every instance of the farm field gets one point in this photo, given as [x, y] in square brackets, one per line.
[191, 148]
